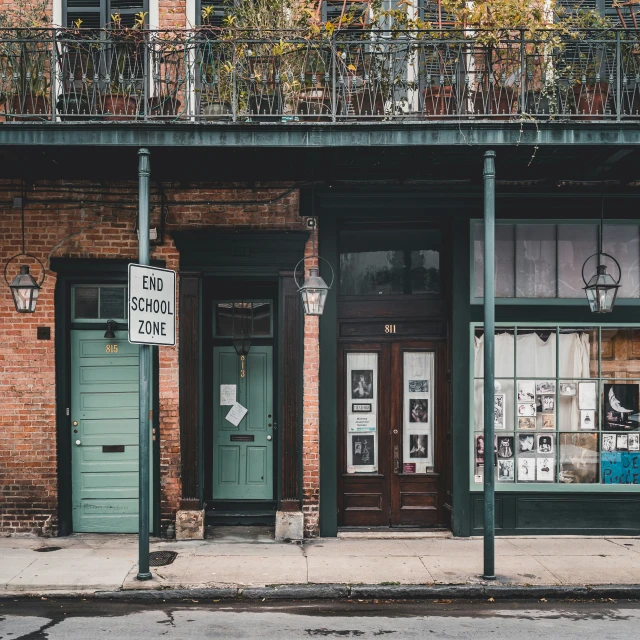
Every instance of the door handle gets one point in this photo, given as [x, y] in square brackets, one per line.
[396, 459]
[268, 437]
[75, 423]
[78, 443]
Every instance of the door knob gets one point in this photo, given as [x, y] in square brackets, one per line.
[75, 423]
[268, 437]
[78, 443]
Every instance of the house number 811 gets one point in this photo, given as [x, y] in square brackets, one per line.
[389, 328]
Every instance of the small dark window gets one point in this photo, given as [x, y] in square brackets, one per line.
[236, 318]
[102, 302]
[389, 262]
[112, 302]
[86, 303]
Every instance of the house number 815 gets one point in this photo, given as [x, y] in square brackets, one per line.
[111, 348]
[389, 328]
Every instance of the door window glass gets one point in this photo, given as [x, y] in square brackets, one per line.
[418, 393]
[362, 412]
[102, 302]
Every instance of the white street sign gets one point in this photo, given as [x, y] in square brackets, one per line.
[152, 305]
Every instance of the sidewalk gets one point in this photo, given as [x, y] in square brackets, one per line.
[231, 564]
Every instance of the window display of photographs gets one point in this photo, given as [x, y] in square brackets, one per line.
[498, 411]
[362, 449]
[506, 470]
[568, 389]
[527, 409]
[418, 410]
[587, 396]
[608, 441]
[578, 458]
[418, 386]
[545, 387]
[587, 419]
[548, 404]
[418, 446]
[545, 444]
[634, 442]
[621, 407]
[549, 422]
[526, 443]
[479, 448]
[622, 442]
[362, 384]
[526, 423]
[526, 391]
[505, 446]
[545, 469]
[526, 469]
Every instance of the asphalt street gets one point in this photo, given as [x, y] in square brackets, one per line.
[85, 619]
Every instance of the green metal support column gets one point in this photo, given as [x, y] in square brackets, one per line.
[489, 358]
[144, 171]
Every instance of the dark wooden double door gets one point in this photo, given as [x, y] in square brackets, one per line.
[397, 473]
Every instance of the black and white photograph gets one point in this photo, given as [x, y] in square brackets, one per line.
[527, 409]
[548, 404]
[479, 448]
[634, 442]
[526, 443]
[621, 407]
[418, 446]
[545, 469]
[362, 450]
[526, 469]
[587, 395]
[587, 419]
[418, 386]
[608, 442]
[579, 458]
[545, 444]
[505, 446]
[568, 389]
[525, 423]
[498, 411]
[506, 470]
[362, 384]
[545, 387]
[526, 391]
[418, 410]
[622, 442]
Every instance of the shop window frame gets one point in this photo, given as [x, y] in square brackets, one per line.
[546, 487]
[556, 301]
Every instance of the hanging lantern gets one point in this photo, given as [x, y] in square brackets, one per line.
[25, 291]
[602, 288]
[241, 340]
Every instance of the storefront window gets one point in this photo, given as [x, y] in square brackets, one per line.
[571, 413]
[542, 261]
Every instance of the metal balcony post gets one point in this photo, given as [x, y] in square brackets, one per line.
[144, 171]
[334, 100]
[618, 78]
[489, 358]
[53, 87]
[234, 98]
[523, 74]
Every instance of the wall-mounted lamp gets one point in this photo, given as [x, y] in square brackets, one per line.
[109, 334]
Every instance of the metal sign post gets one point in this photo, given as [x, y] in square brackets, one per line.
[152, 308]
[489, 357]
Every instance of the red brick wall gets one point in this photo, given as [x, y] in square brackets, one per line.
[103, 224]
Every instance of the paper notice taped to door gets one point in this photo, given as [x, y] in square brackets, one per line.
[236, 414]
[227, 394]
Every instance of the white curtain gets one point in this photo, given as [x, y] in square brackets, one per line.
[536, 359]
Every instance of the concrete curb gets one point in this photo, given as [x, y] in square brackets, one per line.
[479, 591]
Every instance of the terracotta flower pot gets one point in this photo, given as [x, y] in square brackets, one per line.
[30, 108]
[117, 107]
[497, 100]
[591, 100]
[440, 100]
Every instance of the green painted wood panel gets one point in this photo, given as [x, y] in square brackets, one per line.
[104, 403]
[243, 470]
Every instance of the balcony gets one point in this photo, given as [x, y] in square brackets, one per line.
[204, 76]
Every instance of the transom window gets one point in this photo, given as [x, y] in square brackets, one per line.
[249, 318]
[541, 260]
[99, 302]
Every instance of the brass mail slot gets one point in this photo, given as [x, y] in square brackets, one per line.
[112, 448]
[242, 438]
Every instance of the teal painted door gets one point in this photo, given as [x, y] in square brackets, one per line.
[104, 437]
[243, 455]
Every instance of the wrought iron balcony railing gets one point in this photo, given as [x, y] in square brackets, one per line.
[207, 76]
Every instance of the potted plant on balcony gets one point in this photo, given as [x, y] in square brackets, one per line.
[25, 55]
[125, 49]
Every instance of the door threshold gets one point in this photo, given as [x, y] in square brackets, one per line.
[393, 534]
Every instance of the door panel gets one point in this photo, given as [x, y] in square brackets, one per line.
[104, 403]
[405, 489]
[243, 455]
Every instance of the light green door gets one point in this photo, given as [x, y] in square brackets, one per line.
[104, 424]
[243, 454]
